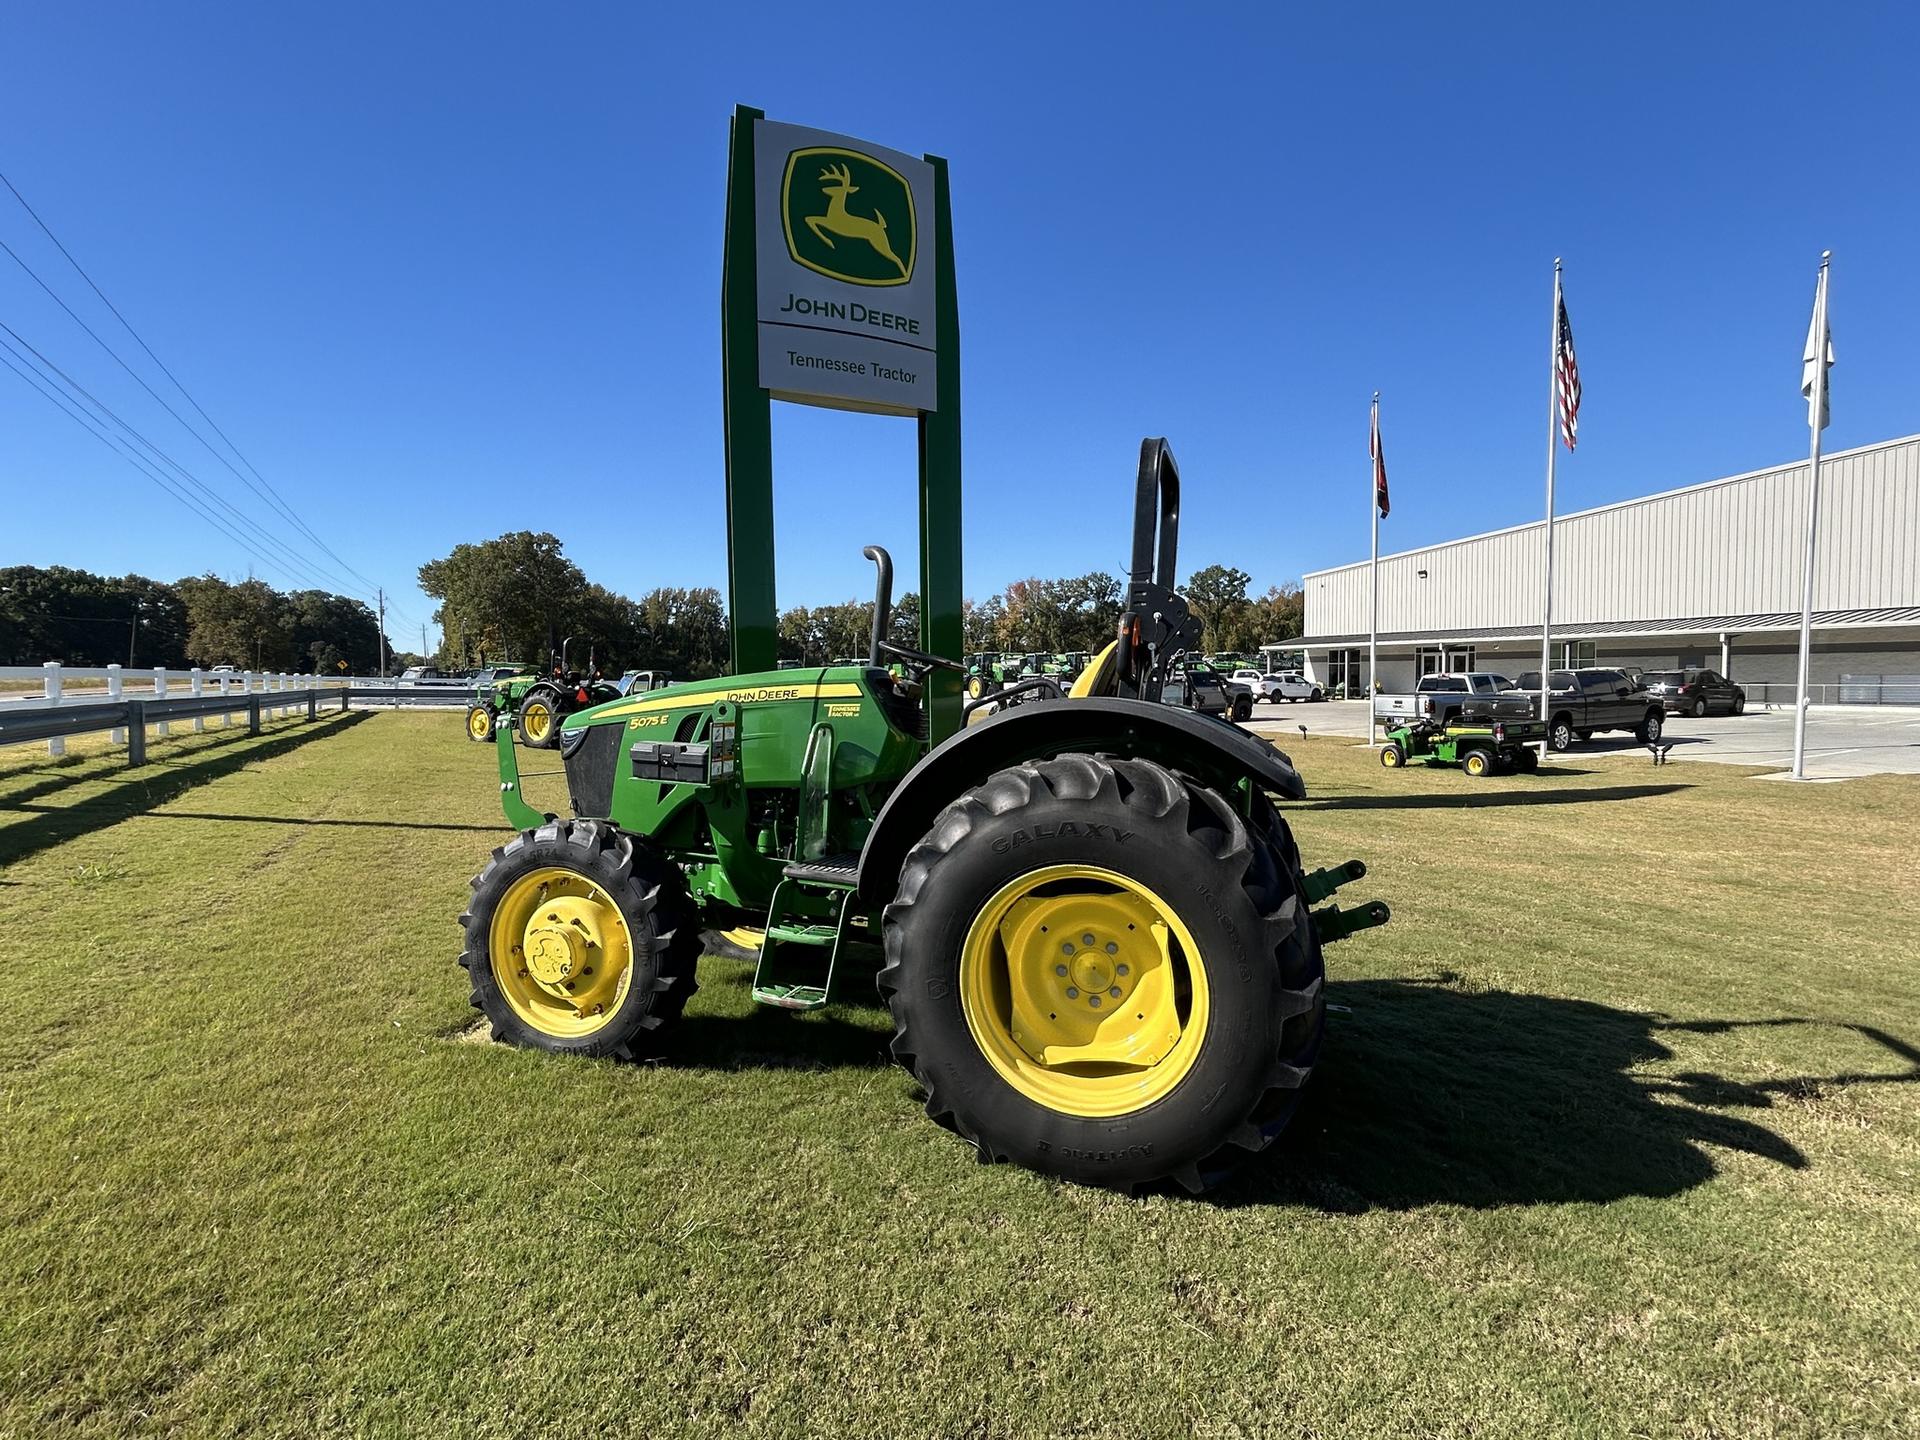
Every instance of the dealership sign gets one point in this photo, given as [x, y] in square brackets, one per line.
[845, 264]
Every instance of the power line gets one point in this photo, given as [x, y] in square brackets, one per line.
[54, 398]
[270, 494]
[311, 571]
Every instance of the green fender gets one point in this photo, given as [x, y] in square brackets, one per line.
[1211, 750]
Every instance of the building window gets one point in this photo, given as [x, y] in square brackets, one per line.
[1346, 672]
[1434, 659]
[1572, 654]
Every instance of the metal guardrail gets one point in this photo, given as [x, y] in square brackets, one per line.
[57, 722]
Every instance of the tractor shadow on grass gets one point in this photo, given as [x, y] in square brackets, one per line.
[764, 1038]
[26, 829]
[1479, 799]
[1431, 1095]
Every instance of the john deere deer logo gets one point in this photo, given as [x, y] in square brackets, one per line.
[848, 216]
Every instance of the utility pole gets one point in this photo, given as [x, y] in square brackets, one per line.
[423, 639]
[383, 633]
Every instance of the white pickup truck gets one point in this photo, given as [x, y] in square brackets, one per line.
[1472, 695]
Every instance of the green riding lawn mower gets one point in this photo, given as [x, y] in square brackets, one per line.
[1089, 921]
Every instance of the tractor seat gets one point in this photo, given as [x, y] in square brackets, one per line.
[840, 870]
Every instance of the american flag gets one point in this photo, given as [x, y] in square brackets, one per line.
[1566, 375]
[1379, 463]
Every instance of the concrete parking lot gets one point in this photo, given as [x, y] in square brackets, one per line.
[1843, 741]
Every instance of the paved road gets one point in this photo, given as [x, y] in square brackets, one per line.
[1842, 740]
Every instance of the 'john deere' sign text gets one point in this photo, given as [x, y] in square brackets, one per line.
[845, 271]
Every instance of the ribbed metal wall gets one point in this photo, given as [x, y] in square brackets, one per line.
[1729, 547]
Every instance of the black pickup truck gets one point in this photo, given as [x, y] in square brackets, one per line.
[1586, 701]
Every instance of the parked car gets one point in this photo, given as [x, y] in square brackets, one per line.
[1696, 692]
[1586, 701]
[639, 682]
[1455, 695]
[506, 670]
[1278, 685]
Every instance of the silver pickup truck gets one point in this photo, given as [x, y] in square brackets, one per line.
[1475, 695]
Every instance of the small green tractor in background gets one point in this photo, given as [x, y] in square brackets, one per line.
[535, 704]
[1094, 932]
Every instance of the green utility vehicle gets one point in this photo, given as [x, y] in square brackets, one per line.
[1096, 935]
[1480, 747]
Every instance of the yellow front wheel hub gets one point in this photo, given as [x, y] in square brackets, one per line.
[561, 952]
[536, 721]
[1084, 990]
[479, 724]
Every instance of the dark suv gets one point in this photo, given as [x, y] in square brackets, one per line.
[1695, 692]
[1586, 701]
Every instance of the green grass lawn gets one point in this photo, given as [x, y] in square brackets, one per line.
[1617, 1133]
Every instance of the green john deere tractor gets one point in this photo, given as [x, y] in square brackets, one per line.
[1097, 942]
[536, 704]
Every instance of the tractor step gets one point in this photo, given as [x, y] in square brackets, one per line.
[791, 979]
[791, 997]
[803, 934]
[840, 872]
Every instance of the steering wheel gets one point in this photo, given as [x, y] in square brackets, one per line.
[920, 658]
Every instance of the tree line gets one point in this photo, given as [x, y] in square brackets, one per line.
[517, 597]
[79, 618]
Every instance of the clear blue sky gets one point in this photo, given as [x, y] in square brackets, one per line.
[444, 271]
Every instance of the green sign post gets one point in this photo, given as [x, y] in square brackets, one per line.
[838, 290]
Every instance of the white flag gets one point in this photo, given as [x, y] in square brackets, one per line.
[1810, 367]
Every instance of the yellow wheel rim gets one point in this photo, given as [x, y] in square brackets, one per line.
[976, 687]
[747, 937]
[536, 721]
[561, 952]
[1476, 764]
[1084, 990]
[479, 724]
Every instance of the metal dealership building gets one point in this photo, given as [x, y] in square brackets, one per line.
[1705, 576]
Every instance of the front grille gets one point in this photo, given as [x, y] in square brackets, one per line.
[591, 766]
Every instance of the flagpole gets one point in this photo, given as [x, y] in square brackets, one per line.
[1373, 622]
[1546, 566]
[1816, 420]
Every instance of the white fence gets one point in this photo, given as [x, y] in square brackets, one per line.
[53, 684]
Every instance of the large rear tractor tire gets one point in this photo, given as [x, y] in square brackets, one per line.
[540, 718]
[479, 723]
[1100, 970]
[580, 941]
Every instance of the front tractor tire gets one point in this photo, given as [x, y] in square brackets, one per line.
[1100, 970]
[580, 941]
[539, 718]
[480, 722]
